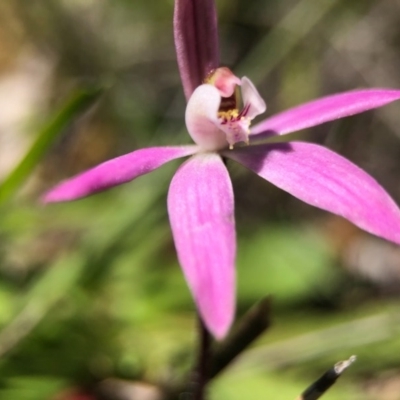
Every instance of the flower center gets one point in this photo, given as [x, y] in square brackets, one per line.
[220, 111]
[233, 122]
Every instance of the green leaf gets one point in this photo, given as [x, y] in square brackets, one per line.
[78, 103]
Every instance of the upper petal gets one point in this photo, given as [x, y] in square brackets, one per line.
[116, 171]
[325, 109]
[200, 207]
[326, 180]
[196, 41]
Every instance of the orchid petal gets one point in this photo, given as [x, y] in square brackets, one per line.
[326, 180]
[200, 207]
[202, 118]
[252, 99]
[196, 41]
[115, 172]
[325, 109]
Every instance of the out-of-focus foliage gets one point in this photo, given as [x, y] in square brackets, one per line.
[92, 300]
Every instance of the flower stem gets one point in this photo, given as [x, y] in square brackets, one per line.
[200, 377]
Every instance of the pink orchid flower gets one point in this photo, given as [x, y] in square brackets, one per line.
[200, 199]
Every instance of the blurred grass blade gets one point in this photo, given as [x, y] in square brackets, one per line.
[78, 103]
[290, 31]
[55, 284]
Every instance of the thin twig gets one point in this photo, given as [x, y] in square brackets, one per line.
[321, 385]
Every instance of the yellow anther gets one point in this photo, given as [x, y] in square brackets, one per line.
[229, 114]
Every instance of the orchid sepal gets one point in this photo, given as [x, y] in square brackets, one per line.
[324, 179]
[115, 172]
[200, 208]
[324, 109]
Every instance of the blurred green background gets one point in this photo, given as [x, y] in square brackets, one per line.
[93, 304]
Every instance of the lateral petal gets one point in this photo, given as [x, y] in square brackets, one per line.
[201, 212]
[115, 172]
[324, 179]
[323, 110]
[252, 99]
